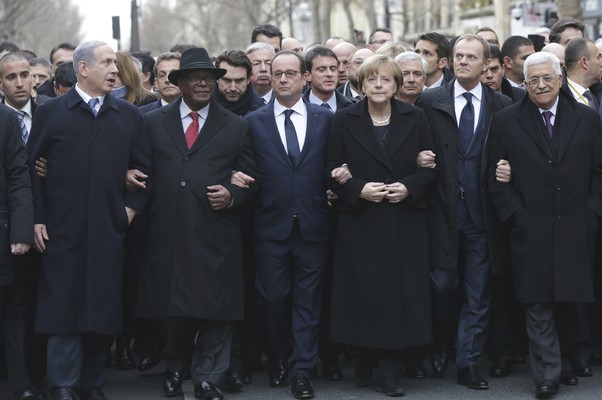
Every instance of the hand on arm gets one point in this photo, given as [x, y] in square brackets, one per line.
[134, 180]
[41, 165]
[426, 159]
[374, 192]
[18, 249]
[219, 197]
[341, 174]
[503, 172]
[40, 235]
[241, 179]
[396, 192]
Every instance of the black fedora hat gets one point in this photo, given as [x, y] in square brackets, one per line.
[195, 59]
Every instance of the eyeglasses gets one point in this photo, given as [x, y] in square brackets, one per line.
[290, 74]
[380, 41]
[196, 79]
[547, 79]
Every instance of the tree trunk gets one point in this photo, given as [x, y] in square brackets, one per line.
[315, 21]
[350, 24]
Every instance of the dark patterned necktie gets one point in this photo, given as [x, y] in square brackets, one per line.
[292, 142]
[466, 125]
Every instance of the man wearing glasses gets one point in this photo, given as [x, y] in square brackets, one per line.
[291, 228]
[194, 281]
[551, 206]
[378, 38]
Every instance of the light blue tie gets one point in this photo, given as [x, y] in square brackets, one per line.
[93, 102]
[24, 132]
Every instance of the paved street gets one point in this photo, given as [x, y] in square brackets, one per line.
[130, 385]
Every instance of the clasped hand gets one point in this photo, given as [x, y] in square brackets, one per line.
[378, 191]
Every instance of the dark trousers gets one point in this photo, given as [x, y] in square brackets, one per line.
[544, 346]
[211, 351]
[474, 271]
[77, 360]
[291, 270]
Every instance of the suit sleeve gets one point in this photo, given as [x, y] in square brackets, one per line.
[419, 182]
[244, 162]
[141, 159]
[20, 199]
[504, 198]
[594, 200]
[37, 146]
[349, 192]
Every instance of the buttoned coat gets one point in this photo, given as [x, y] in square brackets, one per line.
[381, 286]
[82, 201]
[195, 255]
[438, 105]
[553, 198]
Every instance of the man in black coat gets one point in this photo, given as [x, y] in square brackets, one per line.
[194, 280]
[551, 206]
[82, 211]
[461, 222]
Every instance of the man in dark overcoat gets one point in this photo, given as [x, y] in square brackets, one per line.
[195, 277]
[462, 232]
[82, 211]
[554, 146]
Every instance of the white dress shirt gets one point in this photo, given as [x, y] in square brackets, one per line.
[298, 118]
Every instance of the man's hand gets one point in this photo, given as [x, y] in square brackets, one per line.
[374, 192]
[40, 235]
[219, 197]
[330, 198]
[41, 165]
[241, 179]
[134, 180]
[396, 192]
[426, 159]
[341, 174]
[131, 214]
[18, 249]
[503, 172]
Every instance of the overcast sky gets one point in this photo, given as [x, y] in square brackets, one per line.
[97, 23]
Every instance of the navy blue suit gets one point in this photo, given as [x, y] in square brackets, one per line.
[146, 108]
[291, 231]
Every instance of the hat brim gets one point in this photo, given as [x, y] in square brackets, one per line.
[174, 76]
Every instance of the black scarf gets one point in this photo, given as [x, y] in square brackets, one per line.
[248, 102]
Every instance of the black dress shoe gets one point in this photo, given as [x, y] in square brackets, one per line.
[390, 386]
[332, 372]
[28, 393]
[149, 361]
[439, 360]
[363, 376]
[186, 376]
[414, 367]
[278, 373]
[123, 353]
[500, 369]
[569, 379]
[583, 370]
[65, 393]
[301, 387]
[246, 377]
[233, 381]
[471, 378]
[546, 389]
[172, 383]
[207, 391]
[93, 394]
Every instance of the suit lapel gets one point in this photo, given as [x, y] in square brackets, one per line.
[568, 125]
[532, 123]
[269, 122]
[362, 131]
[310, 133]
[399, 130]
[216, 118]
[173, 125]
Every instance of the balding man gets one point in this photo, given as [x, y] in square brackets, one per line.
[557, 50]
[343, 51]
[351, 87]
[292, 44]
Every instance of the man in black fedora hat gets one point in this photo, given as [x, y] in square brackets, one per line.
[194, 280]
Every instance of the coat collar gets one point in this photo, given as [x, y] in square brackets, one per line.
[73, 99]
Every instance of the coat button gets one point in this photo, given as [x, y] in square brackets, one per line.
[558, 187]
[183, 183]
[549, 161]
[186, 158]
[559, 216]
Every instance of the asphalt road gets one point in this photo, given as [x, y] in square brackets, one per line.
[134, 385]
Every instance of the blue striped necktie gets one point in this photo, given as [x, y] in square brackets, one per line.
[24, 132]
[93, 102]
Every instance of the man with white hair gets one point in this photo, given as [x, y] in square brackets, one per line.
[551, 207]
[413, 68]
[261, 55]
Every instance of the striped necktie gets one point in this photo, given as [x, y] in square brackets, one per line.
[24, 132]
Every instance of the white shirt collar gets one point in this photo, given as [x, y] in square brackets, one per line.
[298, 107]
[553, 108]
[86, 97]
[437, 83]
[185, 110]
[477, 91]
[332, 102]
[26, 108]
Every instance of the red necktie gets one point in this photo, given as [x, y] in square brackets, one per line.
[193, 129]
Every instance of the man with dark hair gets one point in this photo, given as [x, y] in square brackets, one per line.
[148, 68]
[291, 226]
[378, 37]
[233, 89]
[267, 34]
[64, 78]
[168, 92]
[494, 77]
[41, 71]
[461, 221]
[321, 64]
[7, 46]
[435, 49]
[62, 52]
[515, 51]
[565, 30]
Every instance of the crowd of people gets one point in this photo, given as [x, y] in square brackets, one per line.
[394, 202]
